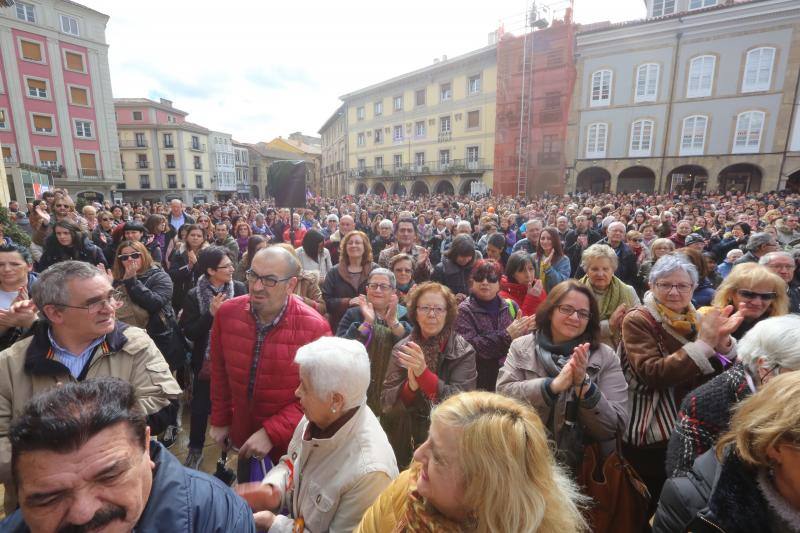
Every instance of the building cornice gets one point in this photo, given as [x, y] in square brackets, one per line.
[139, 102]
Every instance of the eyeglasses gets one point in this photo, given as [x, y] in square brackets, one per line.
[113, 300]
[225, 266]
[682, 288]
[267, 281]
[751, 295]
[431, 310]
[134, 255]
[568, 310]
[379, 286]
[491, 278]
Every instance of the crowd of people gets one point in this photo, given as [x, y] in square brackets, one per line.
[493, 364]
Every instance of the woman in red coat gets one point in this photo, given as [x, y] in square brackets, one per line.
[521, 285]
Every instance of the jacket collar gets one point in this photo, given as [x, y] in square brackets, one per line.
[169, 494]
[341, 435]
[37, 362]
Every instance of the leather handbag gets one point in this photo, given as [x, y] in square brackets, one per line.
[620, 498]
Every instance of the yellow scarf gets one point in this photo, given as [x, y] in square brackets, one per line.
[683, 323]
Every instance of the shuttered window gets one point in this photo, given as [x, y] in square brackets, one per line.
[43, 123]
[31, 50]
[46, 156]
[37, 88]
[88, 164]
[6, 152]
[78, 96]
[74, 61]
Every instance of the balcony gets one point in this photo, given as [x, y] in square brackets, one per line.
[434, 168]
[197, 147]
[128, 143]
[549, 158]
[445, 136]
[90, 174]
[170, 164]
[10, 160]
[142, 164]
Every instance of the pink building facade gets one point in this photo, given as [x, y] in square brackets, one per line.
[57, 124]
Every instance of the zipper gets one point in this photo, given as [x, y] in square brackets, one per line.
[710, 523]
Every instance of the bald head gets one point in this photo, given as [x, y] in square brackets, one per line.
[281, 260]
[346, 225]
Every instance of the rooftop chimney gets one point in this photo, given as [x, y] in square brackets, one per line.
[166, 102]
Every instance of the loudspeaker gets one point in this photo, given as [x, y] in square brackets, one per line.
[286, 182]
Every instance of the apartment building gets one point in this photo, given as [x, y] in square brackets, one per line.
[57, 126]
[163, 155]
[427, 131]
[221, 155]
[242, 168]
[334, 154]
[699, 96]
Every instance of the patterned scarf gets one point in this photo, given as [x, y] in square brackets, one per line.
[432, 347]
[205, 293]
[609, 300]
[421, 517]
[683, 323]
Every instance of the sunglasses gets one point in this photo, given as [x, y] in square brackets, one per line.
[134, 255]
[491, 278]
[751, 295]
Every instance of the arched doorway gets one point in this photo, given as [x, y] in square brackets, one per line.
[379, 189]
[420, 188]
[361, 188]
[687, 178]
[634, 179]
[742, 177]
[466, 187]
[398, 189]
[793, 182]
[444, 187]
[593, 180]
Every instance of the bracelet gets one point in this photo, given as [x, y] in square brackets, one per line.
[392, 326]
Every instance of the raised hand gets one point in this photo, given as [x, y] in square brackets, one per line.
[615, 320]
[411, 356]
[536, 288]
[216, 301]
[579, 360]
[367, 310]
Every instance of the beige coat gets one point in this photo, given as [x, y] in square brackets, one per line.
[334, 480]
[137, 361]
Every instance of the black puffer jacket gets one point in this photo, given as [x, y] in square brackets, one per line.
[454, 276]
[182, 500]
[54, 253]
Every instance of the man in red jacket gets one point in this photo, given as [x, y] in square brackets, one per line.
[253, 375]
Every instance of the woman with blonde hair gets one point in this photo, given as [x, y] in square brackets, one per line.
[750, 481]
[755, 293]
[487, 467]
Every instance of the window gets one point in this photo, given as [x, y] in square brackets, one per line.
[168, 140]
[601, 88]
[646, 83]
[31, 50]
[596, 140]
[198, 181]
[170, 161]
[473, 119]
[397, 103]
[48, 158]
[397, 134]
[26, 12]
[419, 160]
[141, 161]
[197, 164]
[144, 181]
[472, 156]
[379, 163]
[43, 123]
[195, 144]
[74, 61]
[444, 125]
[641, 138]
[69, 25]
[171, 119]
[701, 76]
[419, 97]
[360, 113]
[444, 158]
[663, 7]
[378, 136]
[137, 115]
[377, 108]
[172, 181]
[758, 69]
[700, 4]
[360, 139]
[693, 135]
[140, 140]
[474, 84]
[445, 92]
[362, 164]
[3, 119]
[749, 126]
[398, 160]
[550, 143]
[419, 129]
[78, 96]
[83, 128]
[36, 88]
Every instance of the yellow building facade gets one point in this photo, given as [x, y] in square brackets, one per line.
[430, 131]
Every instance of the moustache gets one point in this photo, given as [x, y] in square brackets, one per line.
[101, 518]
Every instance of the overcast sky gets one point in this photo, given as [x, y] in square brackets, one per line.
[259, 69]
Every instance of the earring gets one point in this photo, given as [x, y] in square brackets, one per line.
[333, 410]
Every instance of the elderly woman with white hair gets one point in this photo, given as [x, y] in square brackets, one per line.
[614, 297]
[770, 348]
[668, 349]
[339, 459]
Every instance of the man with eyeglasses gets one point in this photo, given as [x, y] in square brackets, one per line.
[79, 338]
[252, 347]
[782, 264]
